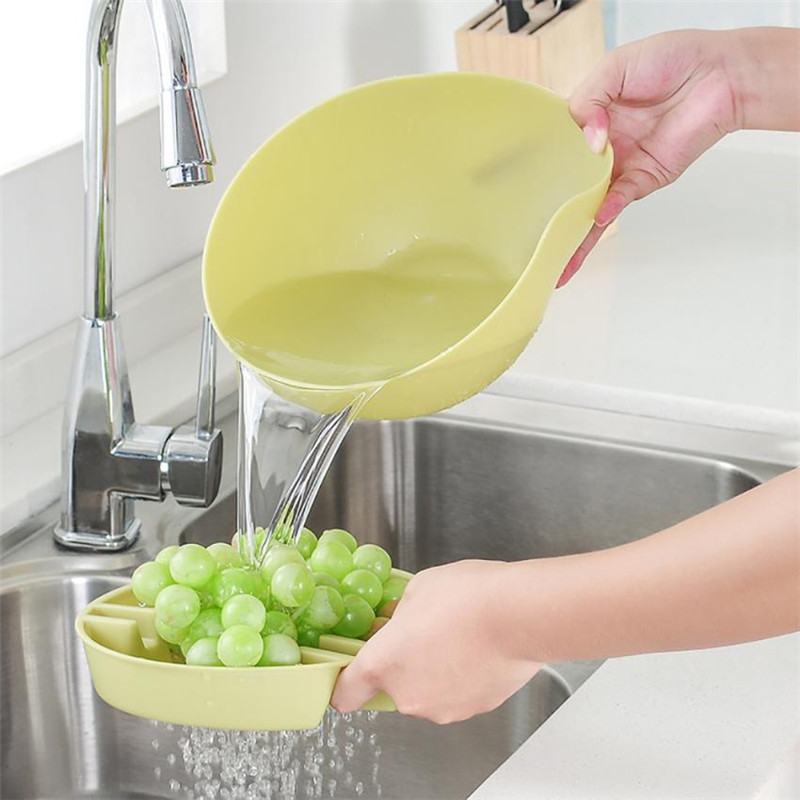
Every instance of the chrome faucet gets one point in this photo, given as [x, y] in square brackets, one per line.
[109, 459]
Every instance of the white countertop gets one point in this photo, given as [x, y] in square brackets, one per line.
[695, 300]
[690, 312]
[711, 724]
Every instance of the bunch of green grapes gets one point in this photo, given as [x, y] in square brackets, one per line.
[218, 611]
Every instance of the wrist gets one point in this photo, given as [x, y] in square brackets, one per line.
[762, 65]
[502, 618]
[737, 66]
[553, 609]
[577, 607]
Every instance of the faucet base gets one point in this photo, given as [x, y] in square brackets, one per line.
[98, 542]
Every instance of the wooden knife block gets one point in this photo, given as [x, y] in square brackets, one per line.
[558, 55]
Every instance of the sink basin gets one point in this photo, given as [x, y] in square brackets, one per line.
[430, 491]
[437, 490]
[60, 740]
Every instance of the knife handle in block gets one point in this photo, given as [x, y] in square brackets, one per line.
[558, 55]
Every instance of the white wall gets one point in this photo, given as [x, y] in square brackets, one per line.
[639, 18]
[59, 69]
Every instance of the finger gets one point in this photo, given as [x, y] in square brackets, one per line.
[575, 263]
[633, 185]
[596, 134]
[590, 101]
[612, 206]
[356, 685]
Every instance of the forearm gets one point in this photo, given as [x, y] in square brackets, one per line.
[731, 574]
[764, 69]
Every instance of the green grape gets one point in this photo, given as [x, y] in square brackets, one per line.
[393, 589]
[323, 579]
[279, 622]
[225, 555]
[365, 584]
[177, 606]
[193, 566]
[324, 610]
[148, 580]
[240, 646]
[293, 585]
[230, 582]
[332, 558]
[185, 646]
[308, 637]
[341, 536]
[208, 623]
[170, 633]
[373, 558]
[358, 617]
[244, 609]
[282, 533]
[277, 556]
[306, 543]
[260, 535]
[165, 554]
[203, 653]
[206, 598]
[279, 651]
[276, 605]
[241, 544]
[261, 591]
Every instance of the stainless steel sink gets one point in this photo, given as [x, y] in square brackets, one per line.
[436, 490]
[430, 491]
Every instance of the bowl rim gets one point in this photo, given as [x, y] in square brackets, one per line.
[607, 155]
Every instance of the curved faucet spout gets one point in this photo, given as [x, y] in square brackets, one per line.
[187, 156]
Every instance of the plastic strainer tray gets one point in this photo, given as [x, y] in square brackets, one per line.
[133, 670]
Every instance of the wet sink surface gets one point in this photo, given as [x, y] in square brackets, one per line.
[430, 491]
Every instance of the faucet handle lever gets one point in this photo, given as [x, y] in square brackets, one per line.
[192, 460]
[206, 382]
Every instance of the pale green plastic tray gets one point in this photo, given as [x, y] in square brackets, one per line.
[134, 671]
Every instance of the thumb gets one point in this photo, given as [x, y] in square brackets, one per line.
[356, 685]
[601, 87]
[590, 101]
